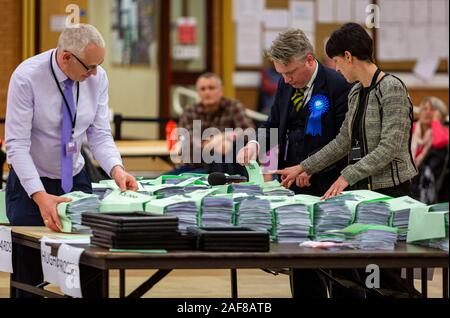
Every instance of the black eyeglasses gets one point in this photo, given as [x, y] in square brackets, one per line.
[89, 68]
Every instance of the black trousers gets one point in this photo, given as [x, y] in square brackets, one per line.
[23, 211]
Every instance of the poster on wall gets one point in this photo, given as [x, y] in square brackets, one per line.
[134, 32]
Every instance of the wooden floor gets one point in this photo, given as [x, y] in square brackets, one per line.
[214, 284]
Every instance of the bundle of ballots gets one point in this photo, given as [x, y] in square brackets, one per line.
[274, 188]
[255, 213]
[366, 236]
[127, 201]
[180, 206]
[392, 212]
[246, 187]
[137, 231]
[101, 190]
[428, 226]
[70, 213]
[292, 218]
[217, 211]
[338, 212]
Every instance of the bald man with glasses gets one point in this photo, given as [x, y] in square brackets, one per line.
[55, 100]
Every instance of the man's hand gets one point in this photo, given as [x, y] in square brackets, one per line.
[302, 180]
[289, 175]
[247, 154]
[336, 188]
[124, 180]
[47, 206]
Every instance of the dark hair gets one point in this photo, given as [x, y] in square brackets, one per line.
[353, 38]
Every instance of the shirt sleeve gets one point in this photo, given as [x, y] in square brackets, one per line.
[99, 133]
[19, 117]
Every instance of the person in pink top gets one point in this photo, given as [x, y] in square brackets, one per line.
[429, 132]
[429, 148]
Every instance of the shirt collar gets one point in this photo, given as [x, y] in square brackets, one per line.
[313, 77]
[60, 76]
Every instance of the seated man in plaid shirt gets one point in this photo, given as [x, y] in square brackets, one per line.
[209, 130]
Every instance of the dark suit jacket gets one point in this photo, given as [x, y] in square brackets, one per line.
[333, 85]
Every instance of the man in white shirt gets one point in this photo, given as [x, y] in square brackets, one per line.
[55, 99]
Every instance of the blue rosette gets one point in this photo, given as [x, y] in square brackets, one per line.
[318, 105]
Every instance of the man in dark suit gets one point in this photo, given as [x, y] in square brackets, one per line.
[309, 108]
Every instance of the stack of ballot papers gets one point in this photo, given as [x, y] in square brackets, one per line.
[127, 201]
[245, 187]
[161, 191]
[338, 212]
[70, 212]
[428, 226]
[180, 206]
[292, 218]
[392, 212]
[368, 237]
[217, 211]
[254, 213]
[101, 190]
[274, 188]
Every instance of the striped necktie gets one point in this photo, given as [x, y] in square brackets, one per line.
[298, 98]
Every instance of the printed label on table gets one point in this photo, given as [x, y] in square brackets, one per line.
[5, 250]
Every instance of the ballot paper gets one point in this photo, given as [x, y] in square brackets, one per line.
[217, 211]
[254, 213]
[163, 190]
[274, 188]
[392, 212]
[338, 212]
[180, 206]
[292, 218]
[245, 187]
[368, 237]
[70, 212]
[428, 226]
[254, 171]
[127, 201]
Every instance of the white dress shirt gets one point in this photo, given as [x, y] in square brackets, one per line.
[33, 122]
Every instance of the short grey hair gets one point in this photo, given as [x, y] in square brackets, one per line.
[290, 45]
[75, 39]
[435, 103]
[209, 75]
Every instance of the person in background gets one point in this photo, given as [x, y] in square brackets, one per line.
[55, 99]
[212, 111]
[429, 147]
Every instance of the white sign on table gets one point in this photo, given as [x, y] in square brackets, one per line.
[5, 250]
[69, 271]
[49, 263]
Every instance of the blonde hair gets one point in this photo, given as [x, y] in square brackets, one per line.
[435, 103]
[291, 45]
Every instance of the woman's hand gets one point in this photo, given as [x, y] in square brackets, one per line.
[338, 186]
[289, 175]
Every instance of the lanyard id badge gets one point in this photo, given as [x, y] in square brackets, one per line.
[71, 147]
